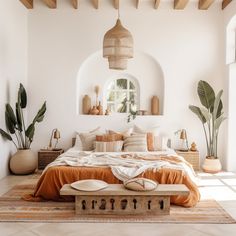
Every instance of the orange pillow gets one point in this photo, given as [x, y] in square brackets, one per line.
[150, 142]
[109, 137]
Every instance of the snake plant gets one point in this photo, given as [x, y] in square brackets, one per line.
[15, 122]
[210, 115]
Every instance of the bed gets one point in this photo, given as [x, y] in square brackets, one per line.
[165, 167]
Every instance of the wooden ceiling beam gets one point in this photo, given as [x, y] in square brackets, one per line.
[205, 4]
[180, 4]
[75, 3]
[28, 3]
[116, 4]
[51, 3]
[225, 3]
[156, 3]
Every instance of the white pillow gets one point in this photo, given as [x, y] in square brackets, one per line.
[115, 146]
[160, 143]
[136, 143]
[85, 141]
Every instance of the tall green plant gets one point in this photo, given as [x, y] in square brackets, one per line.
[15, 122]
[210, 115]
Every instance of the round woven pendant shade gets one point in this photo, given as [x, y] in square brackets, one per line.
[118, 46]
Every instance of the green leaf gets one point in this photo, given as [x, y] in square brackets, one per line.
[40, 115]
[5, 135]
[207, 115]
[30, 132]
[22, 96]
[18, 117]
[220, 108]
[198, 112]
[216, 104]
[10, 114]
[9, 124]
[206, 94]
[40, 118]
[219, 121]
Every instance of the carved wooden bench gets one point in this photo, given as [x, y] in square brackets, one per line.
[115, 199]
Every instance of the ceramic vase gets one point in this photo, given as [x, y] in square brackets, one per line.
[94, 111]
[155, 105]
[211, 165]
[86, 104]
[23, 162]
[100, 109]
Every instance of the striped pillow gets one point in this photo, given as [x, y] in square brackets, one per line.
[136, 143]
[115, 146]
[86, 141]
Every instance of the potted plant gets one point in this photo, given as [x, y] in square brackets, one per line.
[211, 117]
[23, 161]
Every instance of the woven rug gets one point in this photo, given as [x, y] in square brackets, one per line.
[13, 209]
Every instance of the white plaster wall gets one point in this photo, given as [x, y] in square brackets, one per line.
[229, 26]
[189, 46]
[13, 65]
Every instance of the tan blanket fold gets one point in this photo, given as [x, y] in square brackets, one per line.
[50, 183]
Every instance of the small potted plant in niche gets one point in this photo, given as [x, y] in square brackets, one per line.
[211, 117]
[24, 160]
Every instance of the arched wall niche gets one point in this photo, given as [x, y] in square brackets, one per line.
[143, 68]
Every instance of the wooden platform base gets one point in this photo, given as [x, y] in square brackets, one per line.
[115, 199]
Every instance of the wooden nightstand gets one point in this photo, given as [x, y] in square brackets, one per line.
[192, 157]
[47, 156]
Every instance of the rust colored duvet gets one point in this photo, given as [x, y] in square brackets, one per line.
[52, 180]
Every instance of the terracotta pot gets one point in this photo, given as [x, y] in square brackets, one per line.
[211, 165]
[23, 162]
[100, 109]
[94, 111]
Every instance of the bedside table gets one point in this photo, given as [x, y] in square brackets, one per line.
[192, 157]
[47, 156]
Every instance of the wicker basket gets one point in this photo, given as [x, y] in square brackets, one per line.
[45, 157]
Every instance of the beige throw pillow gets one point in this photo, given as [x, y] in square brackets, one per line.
[136, 143]
[86, 141]
[155, 141]
[115, 146]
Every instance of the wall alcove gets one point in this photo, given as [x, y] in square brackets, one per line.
[143, 68]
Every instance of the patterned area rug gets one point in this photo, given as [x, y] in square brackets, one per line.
[13, 209]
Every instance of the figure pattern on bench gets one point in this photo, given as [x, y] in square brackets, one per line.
[122, 204]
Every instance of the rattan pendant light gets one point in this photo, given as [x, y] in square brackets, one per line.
[118, 46]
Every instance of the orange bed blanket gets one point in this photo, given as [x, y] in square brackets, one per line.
[52, 180]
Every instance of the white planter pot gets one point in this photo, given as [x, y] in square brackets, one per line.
[211, 166]
[23, 162]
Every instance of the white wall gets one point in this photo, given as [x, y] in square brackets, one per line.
[230, 75]
[13, 64]
[187, 44]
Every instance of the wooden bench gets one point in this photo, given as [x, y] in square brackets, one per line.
[115, 199]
